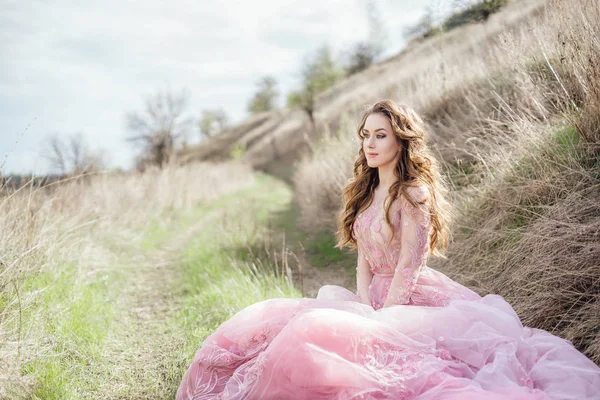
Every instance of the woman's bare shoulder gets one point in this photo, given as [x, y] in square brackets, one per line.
[419, 193]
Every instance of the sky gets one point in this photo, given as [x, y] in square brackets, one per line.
[72, 67]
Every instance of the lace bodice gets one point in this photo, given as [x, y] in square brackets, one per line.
[406, 254]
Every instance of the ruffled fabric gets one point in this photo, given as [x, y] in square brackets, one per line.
[334, 347]
[438, 341]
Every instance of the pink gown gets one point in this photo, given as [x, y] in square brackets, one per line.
[440, 341]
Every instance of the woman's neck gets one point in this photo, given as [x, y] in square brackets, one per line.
[386, 177]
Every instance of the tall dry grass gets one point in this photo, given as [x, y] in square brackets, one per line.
[463, 85]
[529, 230]
[319, 179]
[77, 222]
[515, 122]
[275, 141]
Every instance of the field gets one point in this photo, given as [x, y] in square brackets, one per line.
[110, 282]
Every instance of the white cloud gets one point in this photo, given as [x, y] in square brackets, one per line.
[73, 67]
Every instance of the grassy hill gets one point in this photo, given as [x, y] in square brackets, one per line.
[110, 283]
[514, 119]
[512, 107]
[425, 70]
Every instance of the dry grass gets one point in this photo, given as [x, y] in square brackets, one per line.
[276, 141]
[459, 84]
[514, 119]
[519, 141]
[319, 181]
[76, 229]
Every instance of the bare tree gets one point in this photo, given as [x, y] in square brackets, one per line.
[56, 153]
[71, 155]
[160, 126]
[78, 152]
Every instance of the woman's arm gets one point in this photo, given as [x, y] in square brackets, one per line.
[414, 248]
[363, 278]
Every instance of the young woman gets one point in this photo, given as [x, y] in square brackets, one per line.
[409, 332]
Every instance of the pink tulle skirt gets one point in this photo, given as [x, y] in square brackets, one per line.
[447, 344]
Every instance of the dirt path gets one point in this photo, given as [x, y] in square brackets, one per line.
[309, 278]
[142, 356]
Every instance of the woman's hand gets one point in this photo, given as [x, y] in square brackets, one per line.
[365, 300]
[388, 303]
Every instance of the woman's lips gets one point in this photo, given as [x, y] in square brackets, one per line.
[371, 155]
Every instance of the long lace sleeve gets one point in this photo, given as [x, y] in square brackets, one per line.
[415, 224]
[363, 278]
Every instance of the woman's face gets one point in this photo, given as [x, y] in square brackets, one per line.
[379, 143]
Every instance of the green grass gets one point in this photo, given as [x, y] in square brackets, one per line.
[319, 245]
[322, 252]
[74, 318]
[224, 268]
[237, 151]
[560, 152]
[567, 140]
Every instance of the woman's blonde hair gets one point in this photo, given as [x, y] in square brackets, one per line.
[416, 166]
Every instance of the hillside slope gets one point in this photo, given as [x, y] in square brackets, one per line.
[516, 128]
[275, 140]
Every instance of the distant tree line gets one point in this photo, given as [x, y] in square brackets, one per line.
[70, 154]
[12, 182]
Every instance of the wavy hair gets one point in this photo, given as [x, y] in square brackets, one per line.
[416, 166]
